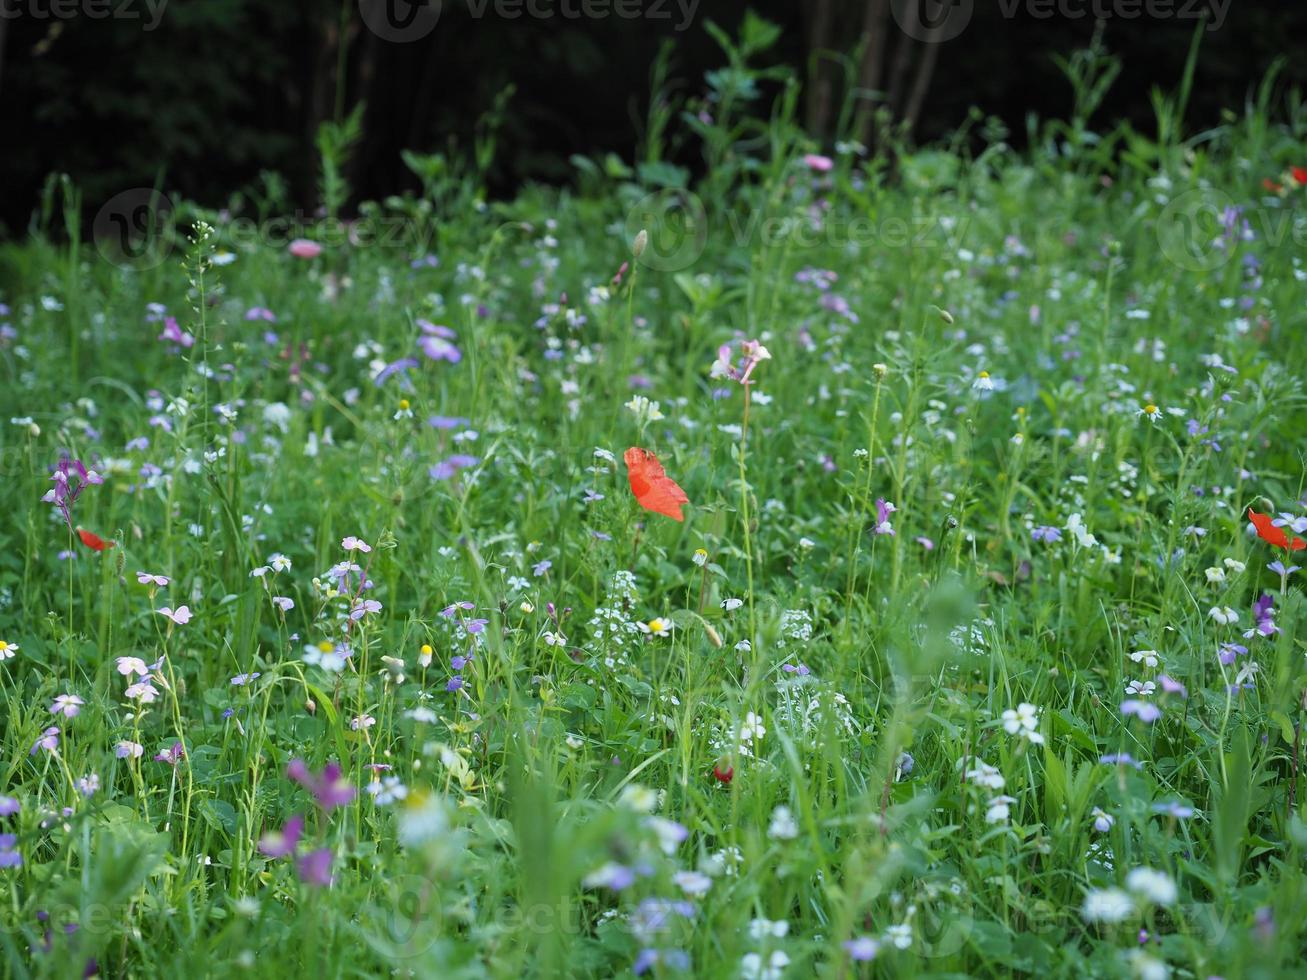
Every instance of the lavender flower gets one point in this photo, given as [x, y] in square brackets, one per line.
[314, 868]
[447, 468]
[330, 789]
[65, 492]
[282, 843]
[1145, 711]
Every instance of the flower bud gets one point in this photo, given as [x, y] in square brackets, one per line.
[641, 242]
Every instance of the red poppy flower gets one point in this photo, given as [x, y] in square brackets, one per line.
[723, 772]
[1271, 534]
[93, 541]
[654, 490]
[1299, 175]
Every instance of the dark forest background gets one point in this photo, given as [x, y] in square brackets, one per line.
[221, 91]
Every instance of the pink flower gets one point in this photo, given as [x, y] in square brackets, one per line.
[304, 248]
[174, 333]
[352, 543]
[315, 868]
[330, 789]
[883, 511]
[752, 353]
[818, 163]
[181, 615]
[145, 578]
[282, 843]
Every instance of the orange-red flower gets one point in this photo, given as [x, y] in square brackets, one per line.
[93, 541]
[1271, 534]
[654, 490]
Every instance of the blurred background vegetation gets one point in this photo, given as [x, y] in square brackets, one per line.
[224, 94]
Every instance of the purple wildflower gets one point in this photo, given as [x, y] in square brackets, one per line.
[172, 755]
[65, 492]
[400, 367]
[883, 511]
[1171, 686]
[863, 949]
[1046, 534]
[9, 856]
[330, 789]
[752, 353]
[1120, 759]
[174, 333]
[1264, 615]
[437, 343]
[1229, 651]
[1145, 711]
[49, 741]
[315, 868]
[282, 843]
[448, 468]
[1178, 811]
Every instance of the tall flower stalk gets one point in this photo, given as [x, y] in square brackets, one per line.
[752, 353]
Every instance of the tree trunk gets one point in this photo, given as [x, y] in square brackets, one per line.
[921, 83]
[817, 109]
[875, 34]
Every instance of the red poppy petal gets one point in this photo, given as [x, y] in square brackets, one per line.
[93, 541]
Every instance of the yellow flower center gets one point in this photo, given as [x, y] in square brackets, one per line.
[325, 646]
[656, 626]
[426, 650]
[984, 375]
[1150, 409]
[403, 404]
[3, 646]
